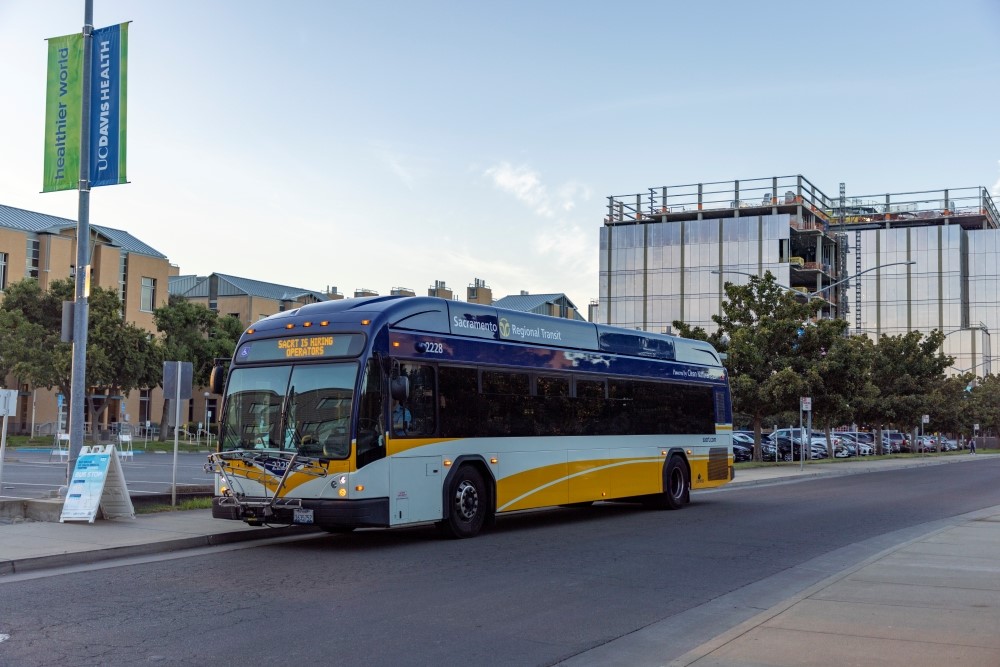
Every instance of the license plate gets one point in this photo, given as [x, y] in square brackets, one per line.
[302, 516]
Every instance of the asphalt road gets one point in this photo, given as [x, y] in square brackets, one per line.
[542, 588]
[36, 474]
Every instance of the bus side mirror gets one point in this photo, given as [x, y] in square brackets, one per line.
[217, 380]
[400, 388]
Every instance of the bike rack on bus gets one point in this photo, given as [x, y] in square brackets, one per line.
[257, 465]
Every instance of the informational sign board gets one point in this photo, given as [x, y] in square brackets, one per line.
[8, 402]
[177, 379]
[98, 482]
[805, 403]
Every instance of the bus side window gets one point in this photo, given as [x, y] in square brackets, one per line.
[459, 402]
[590, 406]
[552, 406]
[370, 427]
[507, 402]
[419, 407]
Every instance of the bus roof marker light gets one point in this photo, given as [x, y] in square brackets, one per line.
[250, 331]
[289, 326]
[395, 343]
[493, 460]
[307, 324]
[365, 323]
[359, 487]
[447, 462]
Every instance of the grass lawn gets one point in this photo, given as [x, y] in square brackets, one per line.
[746, 465]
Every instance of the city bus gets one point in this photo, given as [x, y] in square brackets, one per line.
[393, 411]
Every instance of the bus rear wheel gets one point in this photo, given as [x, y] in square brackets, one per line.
[675, 487]
[467, 504]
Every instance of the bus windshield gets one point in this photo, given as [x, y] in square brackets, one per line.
[304, 409]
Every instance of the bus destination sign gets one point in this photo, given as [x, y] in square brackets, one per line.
[302, 347]
[313, 346]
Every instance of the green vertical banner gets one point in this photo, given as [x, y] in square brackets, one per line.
[108, 85]
[63, 93]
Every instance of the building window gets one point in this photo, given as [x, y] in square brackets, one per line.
[31, 270]
[122, 276]
[147, 300]
[144, 404]
[3, 271]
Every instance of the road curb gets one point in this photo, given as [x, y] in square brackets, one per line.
[22, 565]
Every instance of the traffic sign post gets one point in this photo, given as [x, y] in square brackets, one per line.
[805, 405]
[8, 404]
[177, 384]
[924, 419]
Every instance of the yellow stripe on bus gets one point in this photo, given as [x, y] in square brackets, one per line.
[580, 481]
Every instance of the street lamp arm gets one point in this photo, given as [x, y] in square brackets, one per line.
[849, 278]
[810, 295]
[752, 275]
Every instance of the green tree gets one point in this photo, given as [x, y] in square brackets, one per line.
[192, 332]
[121, 356]
[837, 373]
[33, 351]
[906, 369]
[949, 405]
[759, 330]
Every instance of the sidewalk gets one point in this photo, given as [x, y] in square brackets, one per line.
[930, 602]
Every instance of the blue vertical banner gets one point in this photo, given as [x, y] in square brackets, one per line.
[108, 86]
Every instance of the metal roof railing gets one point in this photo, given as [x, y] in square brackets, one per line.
[718, 195]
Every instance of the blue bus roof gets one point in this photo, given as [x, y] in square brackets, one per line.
[435, 315]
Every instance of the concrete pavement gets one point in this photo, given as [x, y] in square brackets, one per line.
[931, 601]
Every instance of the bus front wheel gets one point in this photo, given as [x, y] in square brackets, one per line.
[467, 499]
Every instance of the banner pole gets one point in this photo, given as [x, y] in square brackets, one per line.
[81, 311]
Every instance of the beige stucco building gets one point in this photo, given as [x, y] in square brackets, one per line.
[43, 247]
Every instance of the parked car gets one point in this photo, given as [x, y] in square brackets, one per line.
[816, 437]
[852, 442]
[742, 453]
[788, 449]
[895, 442]
[927, 443]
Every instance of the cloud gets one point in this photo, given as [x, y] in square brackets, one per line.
[996, 186]
[524, 184]
[527, 187]
[568, 249]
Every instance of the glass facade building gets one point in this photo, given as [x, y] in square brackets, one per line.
[658, 272]
[893, 264]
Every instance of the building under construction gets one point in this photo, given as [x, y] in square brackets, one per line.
[887, 263]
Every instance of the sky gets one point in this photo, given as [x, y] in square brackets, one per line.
[375, 144]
